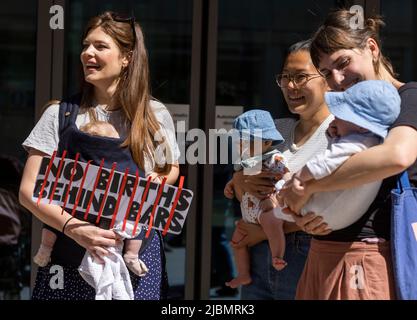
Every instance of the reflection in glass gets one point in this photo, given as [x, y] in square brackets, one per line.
[17, 112]
[399, 36]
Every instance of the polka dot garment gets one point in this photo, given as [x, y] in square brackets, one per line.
[153, 286]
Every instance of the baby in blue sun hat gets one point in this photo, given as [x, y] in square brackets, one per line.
[363, 116]
[251, 126]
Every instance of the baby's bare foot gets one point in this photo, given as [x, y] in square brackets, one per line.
[278, 263]
[240, 280]
[43, 256]
[135, 265]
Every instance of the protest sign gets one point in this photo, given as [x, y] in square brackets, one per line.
[108, 197]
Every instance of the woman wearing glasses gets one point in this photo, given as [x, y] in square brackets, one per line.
[115, 90]
[303, 89]
[356, 261]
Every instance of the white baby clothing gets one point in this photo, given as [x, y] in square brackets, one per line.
[273, 161]
[340, 208]
[296, 156]
[111, 280]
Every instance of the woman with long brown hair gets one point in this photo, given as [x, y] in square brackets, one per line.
[116, 89]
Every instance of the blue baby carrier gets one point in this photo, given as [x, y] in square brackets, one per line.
[91, 148]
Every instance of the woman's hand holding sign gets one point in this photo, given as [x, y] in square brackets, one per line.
[111, 195]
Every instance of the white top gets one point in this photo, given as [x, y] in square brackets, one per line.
[297, 157]
[250, 205]
[45, 135]
[340, 149]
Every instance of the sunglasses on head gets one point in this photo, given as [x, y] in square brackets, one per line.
[128, 19]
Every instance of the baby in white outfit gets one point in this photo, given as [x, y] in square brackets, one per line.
[363, 115]
[258, 124]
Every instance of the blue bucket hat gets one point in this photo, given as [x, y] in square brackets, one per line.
[257, 124]
[373, 105]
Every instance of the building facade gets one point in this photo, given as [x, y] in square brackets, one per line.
[209, 60]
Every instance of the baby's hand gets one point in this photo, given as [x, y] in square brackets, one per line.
[298, 186]
[229, 191]
[268, 203]
[155, 177]
[287, 176]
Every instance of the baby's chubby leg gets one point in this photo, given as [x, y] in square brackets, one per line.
[242, 260]
[273, 228]
[133, 247]
[131, 258]
[43, 256]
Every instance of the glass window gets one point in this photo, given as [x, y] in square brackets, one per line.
[252, 42]
[253, 37]
[17, 116]
[399, 36]
[167, 26]
[17, 74]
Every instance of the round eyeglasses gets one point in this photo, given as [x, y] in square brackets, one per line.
[299, 79]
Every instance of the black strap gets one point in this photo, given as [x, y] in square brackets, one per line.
[68, 111]
[146, 241]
